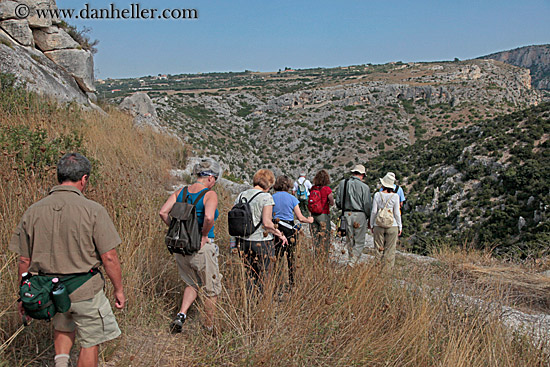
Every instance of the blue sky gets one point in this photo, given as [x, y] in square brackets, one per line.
[234, 35]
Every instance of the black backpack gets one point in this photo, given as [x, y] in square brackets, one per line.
[239, 219]
[183, 236]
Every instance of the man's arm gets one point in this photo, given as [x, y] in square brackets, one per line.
[368, 201]
[112, 268]
[23, 267]
[337, 194]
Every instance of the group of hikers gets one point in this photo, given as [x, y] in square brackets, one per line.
[68, 234]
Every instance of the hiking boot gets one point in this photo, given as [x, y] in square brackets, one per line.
[177, 324]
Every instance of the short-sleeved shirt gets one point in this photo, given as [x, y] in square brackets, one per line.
[65, 233]
[325, 192]
[284, 205]
[257, 206]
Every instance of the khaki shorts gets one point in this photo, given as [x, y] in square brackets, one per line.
[201, 269]
[93, 320]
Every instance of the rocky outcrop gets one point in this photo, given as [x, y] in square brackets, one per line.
[535, 58]
[141, 107]
[19, 37]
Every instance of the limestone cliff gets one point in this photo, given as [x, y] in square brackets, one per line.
[535, 58]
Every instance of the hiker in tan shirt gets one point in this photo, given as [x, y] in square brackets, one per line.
[65, 233]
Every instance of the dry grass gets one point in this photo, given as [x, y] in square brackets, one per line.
[334, 316]
[519, 285]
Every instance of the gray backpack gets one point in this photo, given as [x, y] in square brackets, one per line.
[183, 236]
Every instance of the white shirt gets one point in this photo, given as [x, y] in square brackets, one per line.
[305, 182]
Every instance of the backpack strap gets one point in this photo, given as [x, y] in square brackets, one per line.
[183, 193]
[253, 197]
[201, 195]
[343, 203]
[387, 200]
[249, 201]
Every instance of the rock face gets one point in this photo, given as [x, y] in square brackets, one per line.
[18, 39]
[40, 74]
[19, 30]
[534, 58]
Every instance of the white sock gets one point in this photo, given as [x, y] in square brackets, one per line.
[61, 360]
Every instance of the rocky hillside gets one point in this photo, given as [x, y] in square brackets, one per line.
[328, 118]
[485, 185]
[44, 55]
[535, 58]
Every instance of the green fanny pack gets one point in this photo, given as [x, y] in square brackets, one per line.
[41, 301]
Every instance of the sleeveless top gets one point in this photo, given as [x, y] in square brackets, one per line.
[199, 209]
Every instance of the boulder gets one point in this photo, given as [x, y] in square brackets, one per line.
[19, 30]
[141, 107]
[53, 38]
[7, 10]
[78, 63]
[139, 104]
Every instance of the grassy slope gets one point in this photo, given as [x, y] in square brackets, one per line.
[335, 316]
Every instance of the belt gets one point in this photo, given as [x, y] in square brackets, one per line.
[286, 224]
[354, 210]
[246, 242]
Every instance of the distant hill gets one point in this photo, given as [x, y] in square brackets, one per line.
[487, 184]
[535, 58]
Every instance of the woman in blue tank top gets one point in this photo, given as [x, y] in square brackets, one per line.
[191, 197]
[200, 269]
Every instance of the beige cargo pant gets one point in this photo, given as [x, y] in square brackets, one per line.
[357, 230]
[385, 240]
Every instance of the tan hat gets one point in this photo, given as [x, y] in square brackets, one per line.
[359, 168]
[388, 180]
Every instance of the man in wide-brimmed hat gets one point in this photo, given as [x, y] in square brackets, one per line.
[356, 206]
